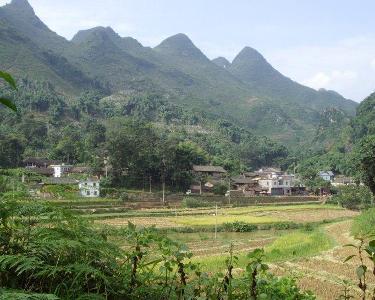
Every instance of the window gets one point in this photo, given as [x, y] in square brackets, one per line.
[88, 193]
[85, 183]
[94, 184]
[95, 193]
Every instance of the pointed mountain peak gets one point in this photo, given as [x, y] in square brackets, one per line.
[221, 62]
[100, 32]
[22, 6]
[179, 44]
[249, 54]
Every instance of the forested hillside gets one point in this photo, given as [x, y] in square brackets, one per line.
[248, 92]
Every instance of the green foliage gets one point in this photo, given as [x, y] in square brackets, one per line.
[364, 155]
[362, 249]
[9, 79]
[220, 189]
[239, 227]
[364, 224]
[23, 295]
[353, 197]
[191, 202]
[72, 259]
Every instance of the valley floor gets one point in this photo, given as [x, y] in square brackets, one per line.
[324, 273]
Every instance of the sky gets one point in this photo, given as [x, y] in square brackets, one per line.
[320, 43]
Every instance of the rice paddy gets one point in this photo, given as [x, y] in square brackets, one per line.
[312, 249]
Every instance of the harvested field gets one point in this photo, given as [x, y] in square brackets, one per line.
[206, 217]
[324, 274]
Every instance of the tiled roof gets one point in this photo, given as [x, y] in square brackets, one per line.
[216, 169]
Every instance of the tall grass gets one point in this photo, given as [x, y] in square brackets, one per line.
[364, 224]
[289, 246]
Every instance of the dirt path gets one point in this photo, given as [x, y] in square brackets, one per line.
[324, 274]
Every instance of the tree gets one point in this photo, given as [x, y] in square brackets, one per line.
[364, 156]
[11, 82]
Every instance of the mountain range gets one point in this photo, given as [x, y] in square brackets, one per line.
[247, 91]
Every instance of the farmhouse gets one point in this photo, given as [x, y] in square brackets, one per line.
[89, 187]
[211, 171]
[248, 186]
[326, 175]
[33, 162]
[59, 170]
[341, 180]
[275, 182]
[207, 177]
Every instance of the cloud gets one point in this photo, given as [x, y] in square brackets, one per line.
[324, 80]
[346, 66]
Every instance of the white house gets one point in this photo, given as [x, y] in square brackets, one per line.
[59, 170]
[89, 187]
[276, 183]
[326, 175]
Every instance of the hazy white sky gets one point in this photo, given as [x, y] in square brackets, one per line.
[322, 43]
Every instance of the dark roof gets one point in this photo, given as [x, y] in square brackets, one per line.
[215, 169]
[243, 180]
[250, 174]
[40, 161]
[59, 180]
[343, 179]
[42, 171]
[90, 179]
[79, 169]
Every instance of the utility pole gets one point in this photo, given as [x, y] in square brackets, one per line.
[216, 221]
[150, 179]
[163, 179]
[229, 189]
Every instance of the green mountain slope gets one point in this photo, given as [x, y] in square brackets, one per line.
[249, 91]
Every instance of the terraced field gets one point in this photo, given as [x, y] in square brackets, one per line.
[311, 249]
[325, 273]
[166, 218]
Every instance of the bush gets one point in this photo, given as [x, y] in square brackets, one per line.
[220, 189]
[239, 227]
[74, 259]
[353, 197]
[191, 202]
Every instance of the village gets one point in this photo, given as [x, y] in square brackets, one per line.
[207, 180]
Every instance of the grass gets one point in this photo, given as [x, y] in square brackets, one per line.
[364, 224]
[211, 220]
[289, 246]
[298, 244]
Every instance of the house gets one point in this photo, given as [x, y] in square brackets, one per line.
[59, 170]
[42, 171]
[59, 181]
[211, 171]
[33, 162]
[39, 165]
[206, 177]
[79, 170]
[341, 180]
[326, 175]
[275, 182]
[247, 185]
[89, 187]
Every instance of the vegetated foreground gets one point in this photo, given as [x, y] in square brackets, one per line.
[305, 241]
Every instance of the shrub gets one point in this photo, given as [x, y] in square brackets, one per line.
[74, 259]
[239, 227]
[191, 202]
[220, 189]
[353, 197]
